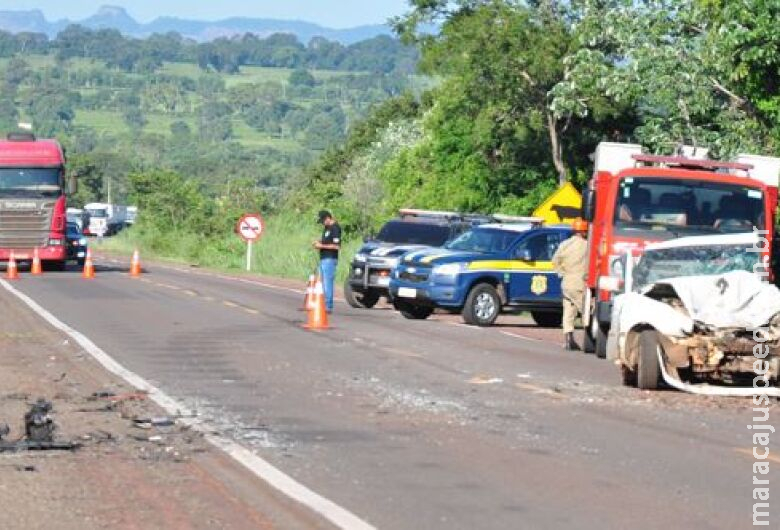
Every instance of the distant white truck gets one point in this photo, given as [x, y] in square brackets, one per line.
[105, 219]
[132, 213]
[78, 216]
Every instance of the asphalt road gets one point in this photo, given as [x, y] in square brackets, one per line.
[420, 424]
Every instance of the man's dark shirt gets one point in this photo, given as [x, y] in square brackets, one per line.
[331, 235]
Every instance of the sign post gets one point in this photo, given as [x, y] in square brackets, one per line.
[250, 227]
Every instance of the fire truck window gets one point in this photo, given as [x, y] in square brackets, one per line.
[687, 208]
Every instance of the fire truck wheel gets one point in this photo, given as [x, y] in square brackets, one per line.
[588, 342]
[359, 300]
[601, 341]
[482, 305]
[547, 320]
[648, 372]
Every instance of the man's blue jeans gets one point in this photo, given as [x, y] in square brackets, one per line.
[328, 272]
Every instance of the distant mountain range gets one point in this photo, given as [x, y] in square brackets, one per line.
[117, 18]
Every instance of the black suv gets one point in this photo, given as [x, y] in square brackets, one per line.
[371, 267]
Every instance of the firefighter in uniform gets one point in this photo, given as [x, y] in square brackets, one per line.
[571, 263]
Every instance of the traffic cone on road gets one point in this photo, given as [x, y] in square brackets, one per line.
[317, 316]
[12, 270]
[89, 267]
[36, 269]
[135, 265]
[309, 296]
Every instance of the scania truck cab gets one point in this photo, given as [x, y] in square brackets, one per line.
[635, 198]
[33, 199]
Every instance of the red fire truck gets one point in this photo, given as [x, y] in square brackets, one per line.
[635, 198]
[32, 199]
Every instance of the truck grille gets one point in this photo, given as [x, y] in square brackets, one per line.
[419, 276]
[25, 228]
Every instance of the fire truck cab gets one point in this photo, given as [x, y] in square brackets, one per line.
[636, 198]
[33, 199]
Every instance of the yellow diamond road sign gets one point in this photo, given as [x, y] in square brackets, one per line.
[563, 206]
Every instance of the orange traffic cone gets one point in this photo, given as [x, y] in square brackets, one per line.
[309, 296]
[317, 317]
[12, 270]
[89, 267]
[135, 265]
[36, 269]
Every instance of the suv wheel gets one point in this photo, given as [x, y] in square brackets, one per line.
[547, 320]
[413, 312]
[482, 305]
[360, 300]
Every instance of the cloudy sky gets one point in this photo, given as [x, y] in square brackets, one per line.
[332, 13]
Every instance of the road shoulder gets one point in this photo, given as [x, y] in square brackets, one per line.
[123, 476]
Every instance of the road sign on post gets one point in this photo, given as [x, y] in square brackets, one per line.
[250, 227]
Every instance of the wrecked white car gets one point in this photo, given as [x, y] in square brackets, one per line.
[694, 312]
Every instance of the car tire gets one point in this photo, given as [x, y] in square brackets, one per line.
[547, 320]
[648, 371]
[413, 312]
[483, 306]
[359, 300]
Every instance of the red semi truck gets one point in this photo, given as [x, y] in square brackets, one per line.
[635, 198]
[33, 199]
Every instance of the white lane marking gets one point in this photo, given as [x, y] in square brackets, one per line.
[516, 336]
[331, 511]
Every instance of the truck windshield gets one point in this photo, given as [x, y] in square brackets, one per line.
[97, 213]
[30, 182]
[401, 232]
[484, 241]
[660, 265]
[681, 207]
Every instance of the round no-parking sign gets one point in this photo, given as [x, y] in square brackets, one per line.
[250, 227]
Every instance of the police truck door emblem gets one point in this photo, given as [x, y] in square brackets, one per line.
[539, 285]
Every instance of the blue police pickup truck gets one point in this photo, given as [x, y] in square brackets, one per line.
[490, 269]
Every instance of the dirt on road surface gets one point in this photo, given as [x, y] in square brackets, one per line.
[125, 474]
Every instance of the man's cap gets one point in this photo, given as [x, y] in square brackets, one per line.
[324, 214]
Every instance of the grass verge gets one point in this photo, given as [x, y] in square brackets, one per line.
[284, 250]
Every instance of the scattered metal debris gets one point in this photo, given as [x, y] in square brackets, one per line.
[38, 425]
[39, 430]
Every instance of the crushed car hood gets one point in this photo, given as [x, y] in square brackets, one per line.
[737, 299]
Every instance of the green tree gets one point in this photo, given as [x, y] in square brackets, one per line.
[701, 72]
[302, 77]
[500, 60]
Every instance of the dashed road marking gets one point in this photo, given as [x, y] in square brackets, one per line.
[261, 468]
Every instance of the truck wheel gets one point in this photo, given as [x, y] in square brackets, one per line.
[588, 343]
[413, 312]
[482, 305]
[359, 300]
[547, 320]
[57, 266]
[648, 372]
[601, 341]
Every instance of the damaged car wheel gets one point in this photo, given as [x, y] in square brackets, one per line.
[648, 372]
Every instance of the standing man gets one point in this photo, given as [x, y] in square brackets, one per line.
[571, 264]
[329, 246]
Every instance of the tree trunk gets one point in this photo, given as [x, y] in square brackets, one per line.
[555, 147]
